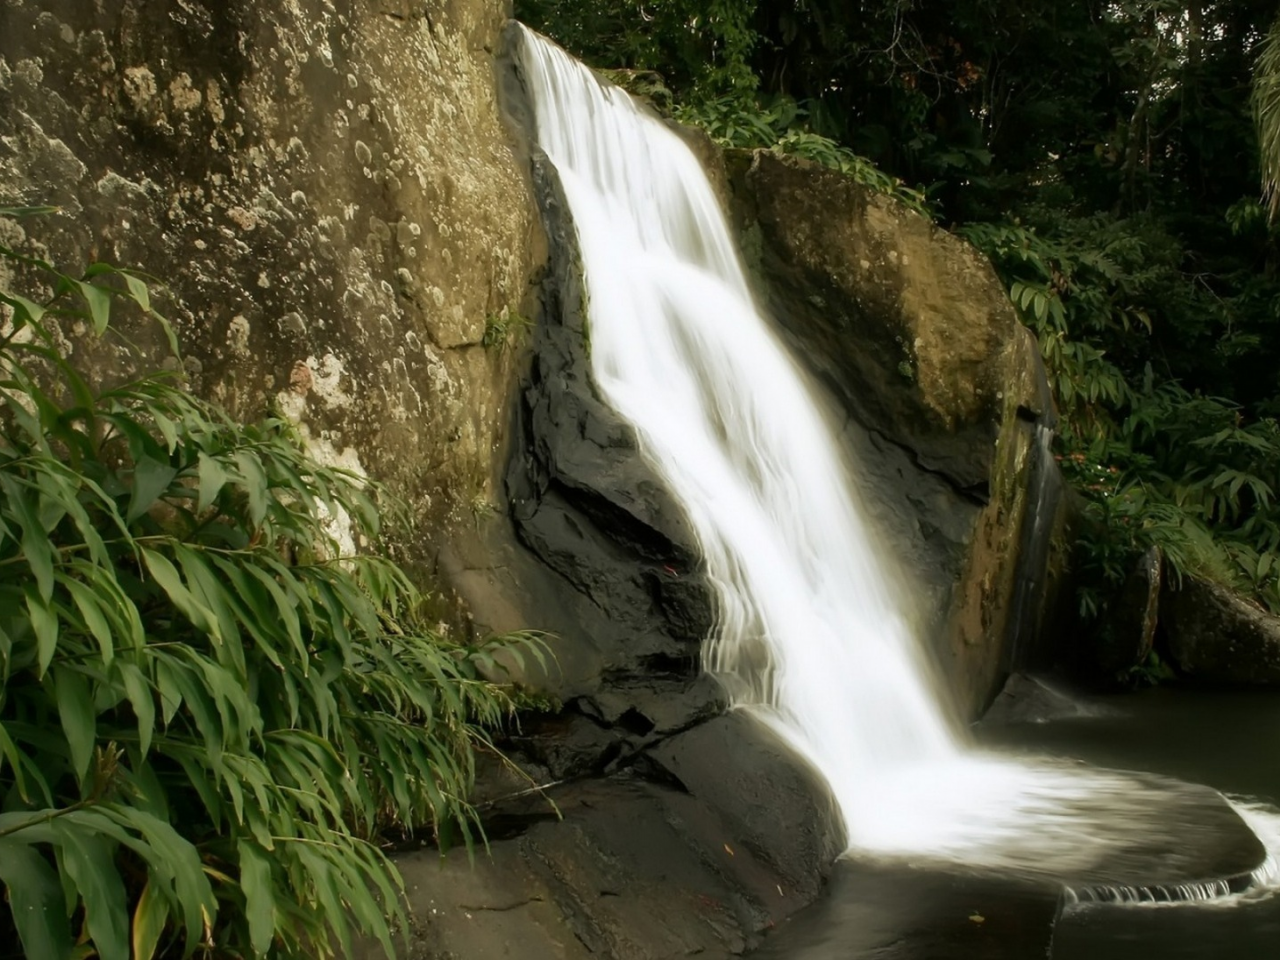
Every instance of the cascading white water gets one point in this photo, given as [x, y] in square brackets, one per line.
[811, 638]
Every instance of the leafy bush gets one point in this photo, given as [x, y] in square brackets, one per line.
[207, 717]
[737, 121]
[1159, 464]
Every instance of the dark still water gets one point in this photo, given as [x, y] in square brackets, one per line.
[922, 910]
[1226, 740]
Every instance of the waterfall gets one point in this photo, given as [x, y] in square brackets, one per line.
[812, 638]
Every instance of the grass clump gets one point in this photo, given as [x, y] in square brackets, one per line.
[503, 328]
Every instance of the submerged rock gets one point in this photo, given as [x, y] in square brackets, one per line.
[1215, 634]
[1030, 699]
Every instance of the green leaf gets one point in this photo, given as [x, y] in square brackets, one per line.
[35, 900]
[169, 333]
[284, 611]
[79, 722]
[168, 430]
[212, 479]
[166, 575]
[9, 753]
[255, 484]
[45, 624]
[137, 290]
[90, 862]
[149, 920]
[142, 701]
[89, 604]
[151, 478]
[170, 691]
[211, 593]
[171, 857]
[255, 882]
[99, 301]
[24, 310]
[36, 548]
[18, 213]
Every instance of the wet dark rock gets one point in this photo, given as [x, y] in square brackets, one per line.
[1127, 636]
[775, 803]
[634, 870]
[1030, 699]
[1215, 634]
[1190, 835]
[626, 599]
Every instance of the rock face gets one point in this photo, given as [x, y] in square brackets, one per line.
[642, 869]
[1127, 636]
[1215, 634]
[626, 596]
[330, 198]
[939, 389]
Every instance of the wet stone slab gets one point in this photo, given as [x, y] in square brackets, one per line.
[708, 840]
[634, 870]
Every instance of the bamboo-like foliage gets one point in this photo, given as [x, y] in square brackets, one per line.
[206, 716]
[1266, 115]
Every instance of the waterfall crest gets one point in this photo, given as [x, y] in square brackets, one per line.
[812, 638]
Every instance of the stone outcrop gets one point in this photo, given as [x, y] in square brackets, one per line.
[952, 456]
[1127, 635]
[719, 843]
[1214, 634]
[328, 194]
[617, 574]
[940, 391]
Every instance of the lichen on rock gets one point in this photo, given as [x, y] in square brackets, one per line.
[320, 188]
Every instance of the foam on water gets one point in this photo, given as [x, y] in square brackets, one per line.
[812, 637]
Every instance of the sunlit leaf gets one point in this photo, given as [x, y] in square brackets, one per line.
[149, 919]
[99, 301]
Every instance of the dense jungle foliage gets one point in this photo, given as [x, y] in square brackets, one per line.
[212, 715]
[1103, 153]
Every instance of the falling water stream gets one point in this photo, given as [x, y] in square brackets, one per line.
[812, 637]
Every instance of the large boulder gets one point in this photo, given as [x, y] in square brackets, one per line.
[945, 409]
[734, 837]
[328, 195]
[1215, 634]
